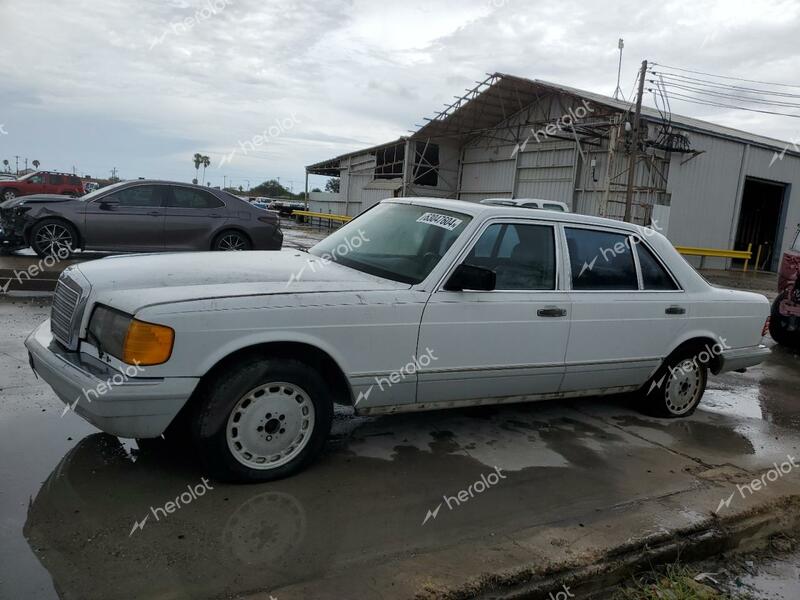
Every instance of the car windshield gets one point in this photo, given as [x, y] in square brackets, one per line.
[401, 242]
[91, 195]
[796, 245]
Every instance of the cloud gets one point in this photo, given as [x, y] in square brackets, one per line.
[88, 89]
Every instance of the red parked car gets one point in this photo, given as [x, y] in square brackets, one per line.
[784, 322]
[42, 182]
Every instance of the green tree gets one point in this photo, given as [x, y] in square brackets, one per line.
[332, 185]
[271, 188]
[205, 161]
[198, 160]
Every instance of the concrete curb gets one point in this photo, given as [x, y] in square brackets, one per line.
[743, 532]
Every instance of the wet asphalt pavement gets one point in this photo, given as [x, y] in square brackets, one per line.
[71, 496]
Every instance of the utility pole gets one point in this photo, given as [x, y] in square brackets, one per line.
[16, 157]
[634, 147]
[114, 173]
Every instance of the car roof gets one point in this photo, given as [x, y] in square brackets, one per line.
[476, 209]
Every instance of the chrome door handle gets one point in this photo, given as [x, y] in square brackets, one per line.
[552, 312]
[675, 310]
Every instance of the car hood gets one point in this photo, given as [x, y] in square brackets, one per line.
[36, 199]
[179, 277]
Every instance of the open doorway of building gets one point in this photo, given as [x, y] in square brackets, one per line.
[760, 221]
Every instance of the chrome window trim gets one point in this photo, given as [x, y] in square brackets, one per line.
[629, 234]
[475, 237]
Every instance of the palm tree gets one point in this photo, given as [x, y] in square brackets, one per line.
[36, 164]
[7, 169]
[198, 160]
[205, 161]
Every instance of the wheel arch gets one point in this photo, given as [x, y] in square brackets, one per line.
[49, 217]
[695, 343]
[307, 353]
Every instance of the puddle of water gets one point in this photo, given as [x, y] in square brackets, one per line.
[743, 401]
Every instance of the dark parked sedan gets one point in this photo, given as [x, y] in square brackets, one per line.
[138, 216]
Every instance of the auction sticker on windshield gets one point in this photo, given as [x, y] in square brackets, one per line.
[443, 221]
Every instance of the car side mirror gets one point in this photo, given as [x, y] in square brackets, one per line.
[469, 277]
[108, 204]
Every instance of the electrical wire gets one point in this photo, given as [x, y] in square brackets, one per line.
[699, 90]
[674, 78]
[726, 77]
[720, 105]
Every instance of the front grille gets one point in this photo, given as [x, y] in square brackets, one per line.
[63, 314]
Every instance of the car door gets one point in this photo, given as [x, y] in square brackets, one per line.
[507, 342]
[35, 184]
[627, 310]
[192, 218]
[130, 218]
[54, 184]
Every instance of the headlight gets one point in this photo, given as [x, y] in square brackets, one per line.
[128, 339]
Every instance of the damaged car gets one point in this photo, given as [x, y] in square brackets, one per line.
[137, 216]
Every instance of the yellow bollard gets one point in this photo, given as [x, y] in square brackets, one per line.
[758, 256]
[750, 252]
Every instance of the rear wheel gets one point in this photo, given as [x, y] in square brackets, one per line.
[266, 419]
[779, 326]
[677, 387]
[229, 241]
[9, 194]
[52, 237]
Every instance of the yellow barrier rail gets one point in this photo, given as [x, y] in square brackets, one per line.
[744, 255]
[319, 215]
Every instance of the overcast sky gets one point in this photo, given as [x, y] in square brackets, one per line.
[142, 86]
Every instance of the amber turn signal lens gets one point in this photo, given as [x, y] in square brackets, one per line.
[147, 343]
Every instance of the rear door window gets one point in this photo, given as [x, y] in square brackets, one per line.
[601, 260]
[188, 198]
[654, 275]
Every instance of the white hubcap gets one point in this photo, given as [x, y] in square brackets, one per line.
[270, 425]
[684, 386]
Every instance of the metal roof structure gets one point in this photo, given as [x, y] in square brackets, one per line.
[330, 167]
[500, 96]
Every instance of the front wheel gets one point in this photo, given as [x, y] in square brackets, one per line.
[677, 387]
[9, 194]
[52, 237]
[267, 419]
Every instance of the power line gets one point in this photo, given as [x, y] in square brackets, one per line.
[699, 90]
[727, 77]
[676, 78]
[720, 105]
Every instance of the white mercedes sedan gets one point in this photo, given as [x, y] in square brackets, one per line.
[417, 304]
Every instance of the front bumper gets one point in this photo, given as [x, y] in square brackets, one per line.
[741, 358]
[118, 403]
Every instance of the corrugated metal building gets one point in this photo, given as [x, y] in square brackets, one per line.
[700, 183]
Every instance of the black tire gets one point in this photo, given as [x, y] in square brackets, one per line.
[228, 420]
[53, 237]
[678, 386]
[8, 194]
[229, 241]
[778, 326]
